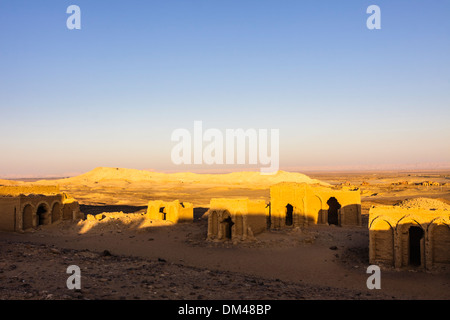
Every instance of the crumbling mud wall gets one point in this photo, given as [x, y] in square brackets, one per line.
[71, 208]
[22, 208]
[409, 237]
[18, 190]
[9, 207]
[301, 204]
[236, 219]
[174, 211]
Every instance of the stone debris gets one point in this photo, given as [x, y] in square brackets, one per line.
[37, 277]
[423, 203]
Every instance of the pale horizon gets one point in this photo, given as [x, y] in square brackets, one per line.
[112, 93]
[424, 167]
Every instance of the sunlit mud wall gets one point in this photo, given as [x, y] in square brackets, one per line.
[174, 211]
[22, 208]
[301, 204]
[402, 237]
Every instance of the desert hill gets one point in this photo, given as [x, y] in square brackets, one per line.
[9, 183]
[119, 186]
[104, 175]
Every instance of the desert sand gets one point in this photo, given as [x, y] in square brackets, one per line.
[125, 256]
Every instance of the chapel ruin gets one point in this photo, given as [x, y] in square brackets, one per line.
[174, 211]
[25, 207]
[291, 205]
[300, 205]
[406, 235]
[236, 219]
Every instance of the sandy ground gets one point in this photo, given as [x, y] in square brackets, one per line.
[125, 256]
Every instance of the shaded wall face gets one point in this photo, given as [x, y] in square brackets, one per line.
[9, 208]
[223, 225]
[56, 212]
[69, 209]
[440, 238]
[350, 215]
[28, 217]
[238, 226]
[382, 243]
[258, 213]
[248, 217]
[256, 222]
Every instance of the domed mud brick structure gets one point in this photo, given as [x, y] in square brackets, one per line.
[174, 211]
[301, 205]
[236, 219]
[25, 207]
[414, 233]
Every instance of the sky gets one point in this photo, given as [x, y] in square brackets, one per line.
[112, 93]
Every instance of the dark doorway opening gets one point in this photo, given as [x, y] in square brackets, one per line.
[161, 210]
[41, 215]
[289, 214]
[334, 206]
[228, 227]
[415, 235]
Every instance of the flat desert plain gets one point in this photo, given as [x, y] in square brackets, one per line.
[126, 256]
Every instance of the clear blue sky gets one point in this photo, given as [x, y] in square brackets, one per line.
[111, 93]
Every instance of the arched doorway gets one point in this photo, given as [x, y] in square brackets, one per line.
[27, 217]
[289, 215]
[56, 212]
[415, 235]
[334, 206]
[228, 225]
[67, 212]
[163, 213]
[42, 215]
